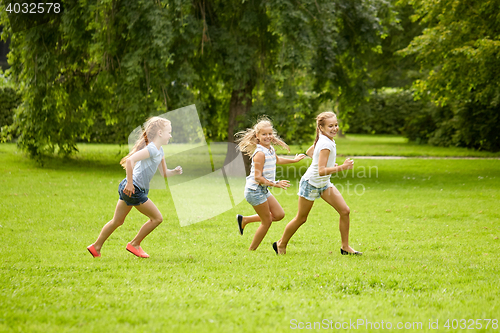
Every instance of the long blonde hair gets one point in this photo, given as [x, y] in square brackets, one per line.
[247, 140]
[320, 121]
[151, 128]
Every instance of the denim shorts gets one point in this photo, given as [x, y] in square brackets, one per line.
[309, 192]
[258, 196]
[139, 197]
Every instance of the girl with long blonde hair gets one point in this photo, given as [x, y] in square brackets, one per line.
[140, 164]
[257, 142]
[315, 183]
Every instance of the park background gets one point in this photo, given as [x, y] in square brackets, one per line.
[412, 79]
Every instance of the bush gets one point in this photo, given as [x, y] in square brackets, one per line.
[477, 126]
[388, 111]
[9, 100]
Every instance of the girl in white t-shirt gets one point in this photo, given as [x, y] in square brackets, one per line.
[257, 142]
[316, 183]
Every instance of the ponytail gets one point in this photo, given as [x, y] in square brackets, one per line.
[320, 121]
[151, 128]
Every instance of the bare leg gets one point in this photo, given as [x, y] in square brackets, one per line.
[121, 211]
[266, 219]
[290, 229]
[150, 210]
[333, 197]
[277, 212]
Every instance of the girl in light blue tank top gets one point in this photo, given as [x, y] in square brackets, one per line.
[257, 142]
[141, 164]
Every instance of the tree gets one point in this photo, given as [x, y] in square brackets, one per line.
[96, 58]
[124, 60]
[460, 49]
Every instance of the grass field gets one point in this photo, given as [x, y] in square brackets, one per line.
[429, 230]
[389, 145]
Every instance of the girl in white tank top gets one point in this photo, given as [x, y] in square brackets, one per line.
[257, 142]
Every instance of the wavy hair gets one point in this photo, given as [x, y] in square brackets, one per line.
[247, 140]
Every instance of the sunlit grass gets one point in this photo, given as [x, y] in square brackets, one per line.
[429, 230]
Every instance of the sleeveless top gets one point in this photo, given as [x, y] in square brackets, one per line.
[269, 170]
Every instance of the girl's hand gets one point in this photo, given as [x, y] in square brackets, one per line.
[283, 184]
[129, 189]
[178, 170]
[336, 164]
[348, 163]
[298, 157]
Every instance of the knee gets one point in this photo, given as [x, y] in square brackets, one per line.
[301, 219]
[266, 223]
[278, 216]
[117, 223]
[157, 220]
[345, 211]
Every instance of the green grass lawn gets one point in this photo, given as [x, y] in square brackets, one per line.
[429, 230]
[387, 145]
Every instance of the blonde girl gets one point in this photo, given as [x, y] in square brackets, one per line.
[140, 165]
[257, 142]
[316, 183]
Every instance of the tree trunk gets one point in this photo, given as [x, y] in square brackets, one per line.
[240, 104]
[340, 133]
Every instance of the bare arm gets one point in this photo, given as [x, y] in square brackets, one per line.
[166, 172]
[310, 151]
[259, 159]
[282, 160]
[323, 159]
[163, 168]
[129, 168]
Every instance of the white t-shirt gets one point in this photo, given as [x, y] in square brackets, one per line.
[312, 174]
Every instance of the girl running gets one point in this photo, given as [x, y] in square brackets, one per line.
[257, 142]
[140, 164]
[316, 183]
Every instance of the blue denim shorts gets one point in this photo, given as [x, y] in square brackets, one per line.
[258, 196]
[139, 197]
[309, 192]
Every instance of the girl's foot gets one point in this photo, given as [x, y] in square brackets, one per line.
[138, 251]
[279, 249]
[349, 250]
[93, 251]
[239, 219]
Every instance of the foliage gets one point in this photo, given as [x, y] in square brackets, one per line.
[97, 59]
[124, 60]
[9, 101]
[389, 68]
[460, 49]
[386, 112]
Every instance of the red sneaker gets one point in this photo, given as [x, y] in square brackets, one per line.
[138, 252]
[93, 251]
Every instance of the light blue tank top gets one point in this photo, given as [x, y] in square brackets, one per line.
[144, 170]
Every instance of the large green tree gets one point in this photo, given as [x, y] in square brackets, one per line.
[125, 60]
[460, 51]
